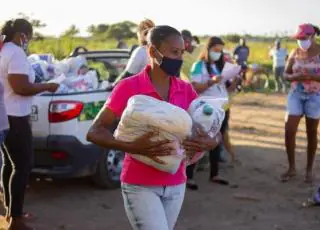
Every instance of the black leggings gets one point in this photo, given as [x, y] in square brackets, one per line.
[214, 155]
[17, 156]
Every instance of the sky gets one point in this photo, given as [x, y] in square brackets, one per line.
[213, 17]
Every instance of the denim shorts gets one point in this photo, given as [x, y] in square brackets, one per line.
[303, 104]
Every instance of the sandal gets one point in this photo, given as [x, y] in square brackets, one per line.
[191, 184]
[309, 178]
[220, 181]
[287, 176]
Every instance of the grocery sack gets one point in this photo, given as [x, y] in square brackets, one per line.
[75, 63]
[33, 58]
[83, 83]
[49, 58]
[40, 69]
[208, 113]
[145, 114]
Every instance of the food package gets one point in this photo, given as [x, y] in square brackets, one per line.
[208, 113]
[75, 63]
[82, 83]
[40, 69]
[145, 114]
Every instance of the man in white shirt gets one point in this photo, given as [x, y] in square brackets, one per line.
[279, 56]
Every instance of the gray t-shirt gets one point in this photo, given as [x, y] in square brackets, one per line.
[4, 124]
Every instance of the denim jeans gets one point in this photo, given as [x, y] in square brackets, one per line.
[152, 208]
[3, 134]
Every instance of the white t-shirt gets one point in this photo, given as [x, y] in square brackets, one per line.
[138, 60]
[279, 57]
[13, 60]
[202, 76]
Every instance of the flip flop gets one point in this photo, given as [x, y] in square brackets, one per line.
[219, 181]
[287, 176]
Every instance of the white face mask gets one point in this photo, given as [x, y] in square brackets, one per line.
[215, 56]
[304, 44]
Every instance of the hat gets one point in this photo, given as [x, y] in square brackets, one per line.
[304, 31]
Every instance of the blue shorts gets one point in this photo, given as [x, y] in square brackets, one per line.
[303, 104]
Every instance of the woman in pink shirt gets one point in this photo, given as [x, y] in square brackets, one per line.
[152, 198]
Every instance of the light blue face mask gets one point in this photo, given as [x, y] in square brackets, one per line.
[215, 56]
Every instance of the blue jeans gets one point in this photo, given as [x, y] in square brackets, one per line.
[301, 103]
[152, 208]
[3, 135]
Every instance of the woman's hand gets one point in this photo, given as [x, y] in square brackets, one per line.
[214, 80]
[201, 142]
[52, 87]
[296, 77]
[144, 146]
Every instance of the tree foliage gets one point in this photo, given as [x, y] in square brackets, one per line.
[71, 31]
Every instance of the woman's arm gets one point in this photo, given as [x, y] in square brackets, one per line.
[288, 74]
[201, 87]
[21, 85]
[99, 134]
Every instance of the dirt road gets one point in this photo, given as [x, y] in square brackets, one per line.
[257, 202]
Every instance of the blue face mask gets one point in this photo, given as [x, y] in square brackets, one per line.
[215, 56]
[170, 66]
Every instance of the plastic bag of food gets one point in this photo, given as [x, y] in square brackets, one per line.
[145, 114]
[75, 63]
[40, 69]
[33, 58]
[62, 67]
[208, 113]
[83, 83]
[49, 58]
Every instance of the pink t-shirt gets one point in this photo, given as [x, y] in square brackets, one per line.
[181, 94]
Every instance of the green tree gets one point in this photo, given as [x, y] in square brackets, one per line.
[71, 31]
[122, 30]
[98, 30]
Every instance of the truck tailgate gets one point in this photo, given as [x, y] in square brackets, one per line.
[39, 115]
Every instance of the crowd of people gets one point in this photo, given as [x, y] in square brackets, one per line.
[171, 66]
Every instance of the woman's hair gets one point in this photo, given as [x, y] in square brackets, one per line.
[317, 30]
[10, 28]
[159, 34]
[204, 56]
[143, 29]
[196, 38]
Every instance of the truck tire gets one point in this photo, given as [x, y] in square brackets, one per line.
[108, 170]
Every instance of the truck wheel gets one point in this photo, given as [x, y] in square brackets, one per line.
[108, 171]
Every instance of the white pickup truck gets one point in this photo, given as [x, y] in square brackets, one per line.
[60, 123]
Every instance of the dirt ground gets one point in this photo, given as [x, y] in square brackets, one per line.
[257, 131]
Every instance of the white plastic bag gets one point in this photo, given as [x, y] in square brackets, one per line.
[208, 113]
[82, 83]
[75, 63]
[145, 114]
[40, 69]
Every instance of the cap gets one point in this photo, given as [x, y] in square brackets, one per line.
[304, 31]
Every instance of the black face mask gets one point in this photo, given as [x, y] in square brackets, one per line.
[170, 66]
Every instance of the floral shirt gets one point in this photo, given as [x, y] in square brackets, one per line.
[307, 66]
